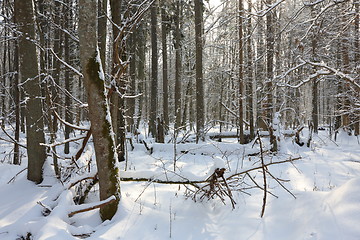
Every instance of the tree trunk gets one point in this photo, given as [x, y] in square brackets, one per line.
[164, 31]
[141, 69]
[132, 87]
[118, 103]
[241, 74]
[67, 18]
[17, 106]
[314, 82]
[269, 108]
[102, 22]
[28, 65]
[99, 111]
[250, 79]
[200, 115]
[357, 62]
[177, 68]
[154, 72]
[269, 64]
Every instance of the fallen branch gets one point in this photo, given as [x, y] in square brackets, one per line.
[13, 178]
[260, 167]
[89, 207]
[282, 185]
[82, 179]
[46, 209]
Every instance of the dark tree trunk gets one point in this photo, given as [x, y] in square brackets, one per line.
[200, 111]
[164, 32]
[241, 74]
[28, 65]
[118, 103]
[357, 62]
[154, 72]
[17, 105]
[177, 68]
[67, 18]
[250, 79]
[141, 69]
[102, 21]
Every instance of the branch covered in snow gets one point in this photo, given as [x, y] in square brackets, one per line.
[91, 206]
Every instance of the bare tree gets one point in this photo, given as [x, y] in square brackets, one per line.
[24, 17]
[99, 110]
[200, 115]
[241, 73]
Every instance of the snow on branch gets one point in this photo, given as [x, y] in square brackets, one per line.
[326, 70]
[269, 8]
[66, 64]
[90, 206]
[69, 124]
[335, 72]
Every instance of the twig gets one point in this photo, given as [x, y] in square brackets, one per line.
[11, 138]
[278, 181]
[13, 178]
[258, 186]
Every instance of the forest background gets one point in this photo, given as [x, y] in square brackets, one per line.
[164, 70]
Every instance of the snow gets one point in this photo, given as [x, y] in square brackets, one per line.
[325, 181]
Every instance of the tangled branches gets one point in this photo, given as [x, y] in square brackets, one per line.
[215, 186]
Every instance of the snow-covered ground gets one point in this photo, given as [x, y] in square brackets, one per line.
[325, 182]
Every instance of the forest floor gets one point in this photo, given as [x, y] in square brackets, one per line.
[325, 182]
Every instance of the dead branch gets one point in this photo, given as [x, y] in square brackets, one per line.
[13, 178]
[87, 208]
[297, 137]
[83, 145]
[46, 209]
[260, 167]
[263, 167]
[12, 140]
[282, 185]
[258, 186]
[69, 124]
[63, 142]
[82, 179]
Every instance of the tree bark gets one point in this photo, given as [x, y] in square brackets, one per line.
[99, 111]
[17, 106]
[200, 115]
[250, 78]
[357, 61]
[241, 74]
[24, 15]
[68, 118]
[154, 72]
[102, 27]
[165, 78]
[118, 103]
[177, 68]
